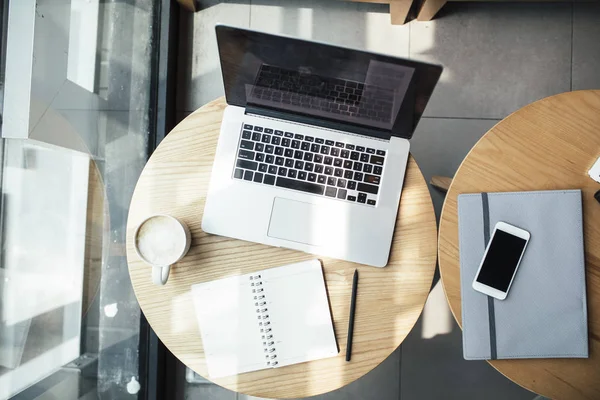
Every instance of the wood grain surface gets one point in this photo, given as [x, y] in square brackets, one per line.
[550, 144]
[429, 8]
[97, 224]
[441, 182]
[190, 5]
[390, 299]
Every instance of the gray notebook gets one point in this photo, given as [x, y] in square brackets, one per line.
[545, 314]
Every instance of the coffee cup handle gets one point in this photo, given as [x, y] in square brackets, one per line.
[160, 274]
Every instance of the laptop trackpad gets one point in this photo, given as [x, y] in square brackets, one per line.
[297, 221]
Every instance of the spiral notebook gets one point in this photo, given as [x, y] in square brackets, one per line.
[267, 319]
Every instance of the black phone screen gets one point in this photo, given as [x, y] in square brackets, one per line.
[501, 260]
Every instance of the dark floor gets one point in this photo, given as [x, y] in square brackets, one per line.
[497, 58]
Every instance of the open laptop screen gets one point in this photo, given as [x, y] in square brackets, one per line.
[336, 86]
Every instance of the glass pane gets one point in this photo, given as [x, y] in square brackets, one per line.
[76, 124]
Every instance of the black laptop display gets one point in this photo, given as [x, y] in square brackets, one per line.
[324, 85]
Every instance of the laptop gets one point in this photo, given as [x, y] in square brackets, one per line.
[314, 144]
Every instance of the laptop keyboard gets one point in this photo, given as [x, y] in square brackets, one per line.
[309, 164]
[338, 96]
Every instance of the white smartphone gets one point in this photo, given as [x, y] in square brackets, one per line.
[501, 260]
[594, 172]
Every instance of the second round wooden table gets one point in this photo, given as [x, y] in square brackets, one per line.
[547, 145]
[390, 299]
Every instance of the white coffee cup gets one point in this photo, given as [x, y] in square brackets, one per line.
[162, 240]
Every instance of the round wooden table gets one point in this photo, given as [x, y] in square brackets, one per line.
[550, 144]
[390, 299]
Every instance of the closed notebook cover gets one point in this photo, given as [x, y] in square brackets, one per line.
[545, 313]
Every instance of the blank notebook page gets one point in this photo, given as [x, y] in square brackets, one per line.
[243, 331]
[227, 318]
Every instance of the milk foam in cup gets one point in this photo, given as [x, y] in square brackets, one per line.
[161, 241]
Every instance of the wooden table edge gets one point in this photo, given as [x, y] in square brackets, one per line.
[430, 259]
[444, 222]
[450, 192]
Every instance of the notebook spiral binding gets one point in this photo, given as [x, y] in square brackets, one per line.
[264, 322]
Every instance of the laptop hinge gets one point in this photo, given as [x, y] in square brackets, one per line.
[321, 122]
